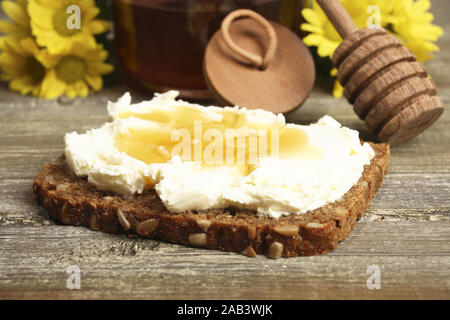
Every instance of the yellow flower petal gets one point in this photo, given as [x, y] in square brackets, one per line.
[52, 4]
[91, 13]
[48, 60]
[15, 12]
[13, 47]
[422, 5]
[36, 91]
[10, 28]
[333, 72]
[338, 90]
[427, 32]
[71, 92]
[38, 14]
[313, 39]
[98, 26]
[23, 4]
[29, 46]
[312, 16]
[52, 87]
[96, 82]
[22, 85]
[86, 3]
[326, 48]
[101, 68]
[81, 88]
[311, 28]
[413, 26]
[2, 41]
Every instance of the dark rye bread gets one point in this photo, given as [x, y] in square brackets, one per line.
[73, 201]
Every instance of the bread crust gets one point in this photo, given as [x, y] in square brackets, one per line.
[73, 201]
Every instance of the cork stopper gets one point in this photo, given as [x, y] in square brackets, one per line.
[254, 63]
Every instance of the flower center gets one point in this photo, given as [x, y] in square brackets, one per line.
[71, 69]
[35, 69]
[60, 19]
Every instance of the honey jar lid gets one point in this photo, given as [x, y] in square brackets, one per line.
[254, 63]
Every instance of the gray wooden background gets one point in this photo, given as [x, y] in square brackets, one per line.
[406, 232]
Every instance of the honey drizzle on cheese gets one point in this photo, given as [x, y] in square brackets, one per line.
[154, 141]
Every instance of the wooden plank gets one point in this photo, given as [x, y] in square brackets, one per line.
[36, 258]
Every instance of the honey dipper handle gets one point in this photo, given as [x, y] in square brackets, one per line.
[338, 16]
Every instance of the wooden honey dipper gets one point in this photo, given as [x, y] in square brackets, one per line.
[388, 88]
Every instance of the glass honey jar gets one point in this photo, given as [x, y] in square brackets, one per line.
[160, 43]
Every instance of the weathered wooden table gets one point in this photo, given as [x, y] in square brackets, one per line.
[406, 232]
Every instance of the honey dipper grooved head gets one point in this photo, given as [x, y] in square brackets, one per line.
[389, 89]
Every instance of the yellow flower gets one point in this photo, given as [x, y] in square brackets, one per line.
[413, 26]
[66, 61]
[23, 64]
[19, 27]
[362, 10]
[322, 33]
[49, 24]
[73, 72]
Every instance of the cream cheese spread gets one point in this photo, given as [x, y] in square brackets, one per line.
[134, 152]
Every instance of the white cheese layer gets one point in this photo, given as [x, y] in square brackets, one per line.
[275, 187]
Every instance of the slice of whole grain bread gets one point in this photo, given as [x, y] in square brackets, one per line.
[73, 201]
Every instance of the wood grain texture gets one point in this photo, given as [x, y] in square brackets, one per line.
[375, 71]
[365, 74]
[385, 84]
[354, 41]
[390, 105]
[364, 53]
[405, 232]
[115, 266]
[412, 120]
